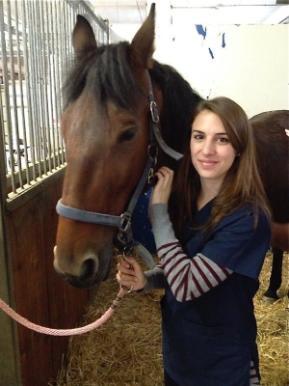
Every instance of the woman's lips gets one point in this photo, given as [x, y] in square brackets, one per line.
[208, 163]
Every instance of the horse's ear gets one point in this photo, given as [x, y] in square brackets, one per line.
[83, 39]
[142, 45]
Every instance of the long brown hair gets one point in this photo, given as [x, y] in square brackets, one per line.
[241, 185]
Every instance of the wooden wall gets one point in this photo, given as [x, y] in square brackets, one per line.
[38, 293]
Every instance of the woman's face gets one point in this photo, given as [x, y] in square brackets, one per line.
[211, 151]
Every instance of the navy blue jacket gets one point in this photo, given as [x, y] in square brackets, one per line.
[210, 341]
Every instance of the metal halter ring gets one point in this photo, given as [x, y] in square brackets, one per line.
[154, 112]
[125, 221]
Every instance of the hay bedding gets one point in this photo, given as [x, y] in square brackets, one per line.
[126, 351]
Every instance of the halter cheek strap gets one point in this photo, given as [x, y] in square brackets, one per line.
[155, 126]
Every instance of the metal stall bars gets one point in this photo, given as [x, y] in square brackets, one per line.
[35, 52]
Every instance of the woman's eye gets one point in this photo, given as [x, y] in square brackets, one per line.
[198, 137]
[223, 140]
[127, 135]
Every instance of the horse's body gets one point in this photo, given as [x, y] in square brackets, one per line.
[273, 151]
[105, 127]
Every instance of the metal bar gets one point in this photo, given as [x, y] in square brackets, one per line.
[41, 77]
[65, 31]
[7, 103]
[45, 83]
[52, 129]
[37, 124]
[33, 84]
[28, 90]
[67, 36]
[61, 56]
[57, 67]
[72, 18]
[14, 98]
[59, 79]
[3, 166]
[22, 108]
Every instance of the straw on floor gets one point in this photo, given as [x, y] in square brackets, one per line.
[127, 350]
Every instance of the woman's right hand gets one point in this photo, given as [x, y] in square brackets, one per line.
[130, 274]
[162, 190]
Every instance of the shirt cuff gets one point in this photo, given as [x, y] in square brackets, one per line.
[155, 279]
[161, 225]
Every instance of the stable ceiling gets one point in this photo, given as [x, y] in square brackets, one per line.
[126, 15]
[256, 11]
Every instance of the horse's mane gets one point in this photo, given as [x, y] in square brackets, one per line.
[180, 102]
[108, 72]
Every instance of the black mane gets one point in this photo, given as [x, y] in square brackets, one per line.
[108, 72]
[180, 102]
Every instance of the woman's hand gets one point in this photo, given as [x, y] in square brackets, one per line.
[162, 190]
[130, 274]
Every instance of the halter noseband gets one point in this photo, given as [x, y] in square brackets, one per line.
[124, 238]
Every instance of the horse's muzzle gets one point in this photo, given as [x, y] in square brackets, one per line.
[89, 271]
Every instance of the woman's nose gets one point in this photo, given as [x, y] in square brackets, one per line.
[208, 147]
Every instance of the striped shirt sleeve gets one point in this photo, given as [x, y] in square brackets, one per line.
[187, 277]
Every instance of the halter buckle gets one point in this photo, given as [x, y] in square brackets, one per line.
[152, 179]
[125, 222]
[154, 112]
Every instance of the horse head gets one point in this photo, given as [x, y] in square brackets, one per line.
[105, 130]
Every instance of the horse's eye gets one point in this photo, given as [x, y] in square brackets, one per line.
[127, 135]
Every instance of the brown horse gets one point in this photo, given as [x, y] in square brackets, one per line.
[106, 128]
[270, 129]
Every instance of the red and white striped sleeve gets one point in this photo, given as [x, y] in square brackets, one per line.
[189, 278]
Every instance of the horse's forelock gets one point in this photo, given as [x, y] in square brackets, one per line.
[108, 71]
[116, 77]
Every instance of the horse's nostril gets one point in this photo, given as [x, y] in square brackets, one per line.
[88, 269]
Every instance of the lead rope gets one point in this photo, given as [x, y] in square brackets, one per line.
[64, 332]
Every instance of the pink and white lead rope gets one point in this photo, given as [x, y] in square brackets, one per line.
[63, 332]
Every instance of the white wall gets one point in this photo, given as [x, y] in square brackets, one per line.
[252, 67]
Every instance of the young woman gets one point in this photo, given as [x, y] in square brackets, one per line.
[211, 247]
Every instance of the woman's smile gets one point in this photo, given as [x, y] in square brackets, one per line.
[207, 164]
[211, 151]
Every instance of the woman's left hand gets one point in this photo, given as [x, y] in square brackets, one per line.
[130, 274]
[162, 190]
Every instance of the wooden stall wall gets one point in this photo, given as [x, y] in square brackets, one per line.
[38, 292]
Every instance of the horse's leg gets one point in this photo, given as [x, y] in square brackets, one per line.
[276, 274]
